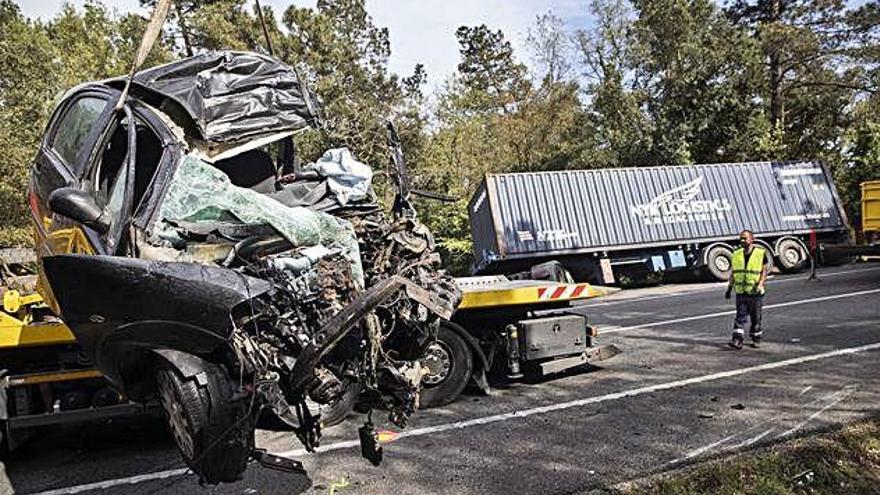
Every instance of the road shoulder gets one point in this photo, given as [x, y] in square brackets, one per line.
[840, 460]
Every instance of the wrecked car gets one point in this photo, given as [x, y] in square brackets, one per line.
[201, 264]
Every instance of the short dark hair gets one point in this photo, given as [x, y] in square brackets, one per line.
[747, 231]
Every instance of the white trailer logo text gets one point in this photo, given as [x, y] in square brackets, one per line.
[679, 206]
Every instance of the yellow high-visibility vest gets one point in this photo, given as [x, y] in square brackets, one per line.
[747, 275]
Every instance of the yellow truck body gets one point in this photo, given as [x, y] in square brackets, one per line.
[17, 329]
[871, 206]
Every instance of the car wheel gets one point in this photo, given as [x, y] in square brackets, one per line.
[334, 413]
[213, 430]
[791, 255]
[449, 362]
[719, 262]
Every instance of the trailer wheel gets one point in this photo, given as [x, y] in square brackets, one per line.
[214, 431]
[719, 262]
[450, 363]
[791, 255]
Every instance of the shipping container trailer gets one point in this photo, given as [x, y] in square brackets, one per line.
[653, 219]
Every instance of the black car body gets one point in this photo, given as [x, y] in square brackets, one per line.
[196, 267]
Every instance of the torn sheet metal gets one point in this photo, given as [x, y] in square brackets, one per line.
[201, 193]
[232, 96]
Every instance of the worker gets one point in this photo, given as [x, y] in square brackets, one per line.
[750, 266]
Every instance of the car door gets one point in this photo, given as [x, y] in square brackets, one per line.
[79, 123]
[68, 146]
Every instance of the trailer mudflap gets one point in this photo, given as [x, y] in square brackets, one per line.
[590, 355]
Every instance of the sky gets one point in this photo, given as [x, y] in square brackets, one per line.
[421, 31]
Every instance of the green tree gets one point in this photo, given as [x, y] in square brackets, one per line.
[814, 66]
[347, 57]
[617, 97]
[493, 117]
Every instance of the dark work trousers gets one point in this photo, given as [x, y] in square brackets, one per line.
[748, 308]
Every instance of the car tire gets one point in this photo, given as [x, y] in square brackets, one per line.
[719, 262]
[336, 412]
[213, 430]
[791, 256]
[451, 362]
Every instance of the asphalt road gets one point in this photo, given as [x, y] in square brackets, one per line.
[676, 395]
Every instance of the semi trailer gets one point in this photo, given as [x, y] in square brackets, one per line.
[599, 224]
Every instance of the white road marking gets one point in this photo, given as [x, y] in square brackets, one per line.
[603, 331]
[715, 287]
[131, 480]
[753, 440]
[835, 398]
[838, 397]
[601, 398]
[103, 485]
[702, 450]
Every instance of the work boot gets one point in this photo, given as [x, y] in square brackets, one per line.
[736, 342]
[756, 341]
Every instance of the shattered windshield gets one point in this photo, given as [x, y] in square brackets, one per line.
[202, 193]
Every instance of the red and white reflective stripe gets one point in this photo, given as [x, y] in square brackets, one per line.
[561, 291]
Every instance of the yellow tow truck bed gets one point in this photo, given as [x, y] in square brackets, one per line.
[43, 379]
[17, 329]
[496, 291]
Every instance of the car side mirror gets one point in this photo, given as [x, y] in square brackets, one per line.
[80, 206]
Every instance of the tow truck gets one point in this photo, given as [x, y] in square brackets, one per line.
[44, 377]
[511, 327]
[514, 328]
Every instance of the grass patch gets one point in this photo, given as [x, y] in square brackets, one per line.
[844, 461]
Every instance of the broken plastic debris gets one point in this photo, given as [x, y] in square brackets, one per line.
[738, 407]
[338, 484]
[707, 415]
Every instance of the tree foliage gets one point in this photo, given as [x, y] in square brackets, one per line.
[38, 62]
[646, 83]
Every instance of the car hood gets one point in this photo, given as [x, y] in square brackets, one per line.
[230, 96]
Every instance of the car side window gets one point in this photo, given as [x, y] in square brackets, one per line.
[110, 173]
[73, 129]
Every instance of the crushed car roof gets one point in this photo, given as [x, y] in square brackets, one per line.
[232, 96]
